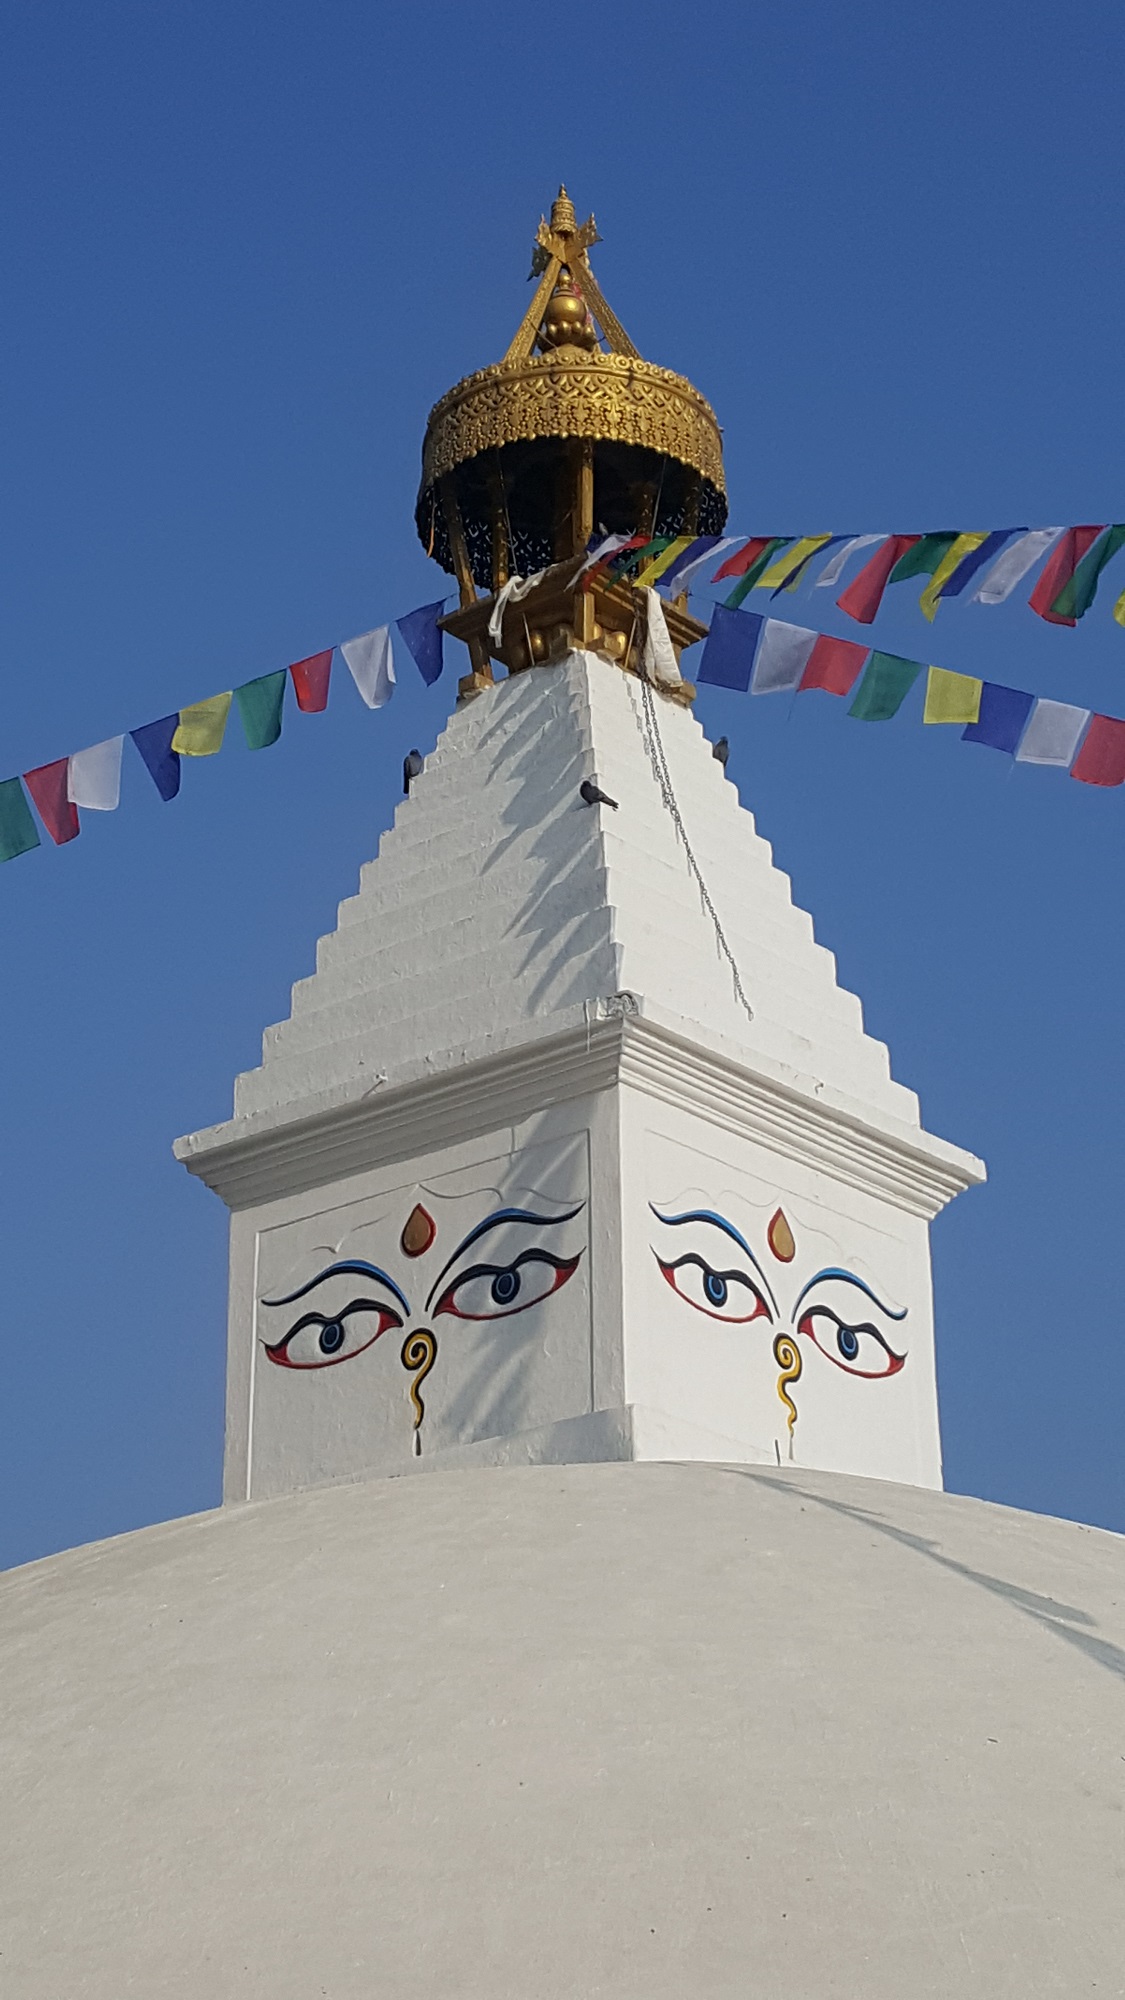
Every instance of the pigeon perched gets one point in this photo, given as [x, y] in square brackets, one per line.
[594, 796]
[411, 768]
[721, 751]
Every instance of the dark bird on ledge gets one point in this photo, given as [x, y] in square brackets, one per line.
[412, 765]
[594, 796]
[721, 751]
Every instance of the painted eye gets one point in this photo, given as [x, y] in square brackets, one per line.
[727, 1295]
[319, 1341]
[496, 1291]
[859, 1350]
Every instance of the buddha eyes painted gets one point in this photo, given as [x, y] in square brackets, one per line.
[326, 1334]
[725, 1295]
[831, 1312]
[859, 1350]
[497, 1291]
[316, 1341]
[337, 1323]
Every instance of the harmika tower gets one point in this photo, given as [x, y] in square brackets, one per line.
[572, 1148]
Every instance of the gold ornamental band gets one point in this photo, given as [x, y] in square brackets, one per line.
[609, 397]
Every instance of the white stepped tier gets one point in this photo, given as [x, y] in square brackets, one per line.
[499, 905]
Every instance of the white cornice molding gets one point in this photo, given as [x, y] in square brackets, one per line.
[902, 1164]
[289, 1151]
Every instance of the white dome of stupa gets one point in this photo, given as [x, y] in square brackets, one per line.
[633, 1730]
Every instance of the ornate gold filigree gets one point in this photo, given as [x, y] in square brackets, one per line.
[569, 393]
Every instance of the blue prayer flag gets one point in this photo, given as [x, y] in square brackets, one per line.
[702, 546]
[1003, 713]
[424, 637]
[728, 656]
[154, 741]
[968, 567]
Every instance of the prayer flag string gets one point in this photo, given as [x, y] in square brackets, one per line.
[950, 559]
[748, 653]
[745, 651]
[91, 779]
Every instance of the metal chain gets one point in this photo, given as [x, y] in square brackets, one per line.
[655, 747]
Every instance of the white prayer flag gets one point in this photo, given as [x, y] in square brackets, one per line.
[683, 580]
[607, 547]
[511, 592]
[659, 658]
[834, 568]
[1053, 733]
[371, 664]
[93, 777]
[1000, 580]
[782, 656]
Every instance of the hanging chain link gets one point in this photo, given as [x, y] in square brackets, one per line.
[655, 746]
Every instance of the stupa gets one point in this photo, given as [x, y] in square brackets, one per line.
[573, 1183]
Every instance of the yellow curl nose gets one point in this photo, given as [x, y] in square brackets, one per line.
[787, 1354]
[419, 1352]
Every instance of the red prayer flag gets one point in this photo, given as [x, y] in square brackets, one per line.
[1101, 760]
[47, 785]
[741, 560]
[310, 681]
[600, 568]
[863, 596]
[834, 665]
[1064, 560]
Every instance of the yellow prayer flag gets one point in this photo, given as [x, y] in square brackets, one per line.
[663, 561]
[952, 559]
[791, 559]
[1119, 609]
[202, 726]
[951, 697]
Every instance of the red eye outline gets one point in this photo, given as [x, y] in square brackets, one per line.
[563, 1267]
[761, 1310]
[278, 1352]
[894, 1361]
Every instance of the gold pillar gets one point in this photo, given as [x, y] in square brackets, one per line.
[501, 550]
[457, 548]
[481, 675]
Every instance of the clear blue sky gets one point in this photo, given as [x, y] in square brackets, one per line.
[245, 248]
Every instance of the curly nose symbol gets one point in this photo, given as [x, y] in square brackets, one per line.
[787, 1354]
[419, 1352]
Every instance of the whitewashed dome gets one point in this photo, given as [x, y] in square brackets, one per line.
[629, 1730]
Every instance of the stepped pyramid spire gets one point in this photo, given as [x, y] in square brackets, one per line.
[524, 1159]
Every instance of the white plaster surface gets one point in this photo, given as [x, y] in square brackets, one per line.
[640, 1731]
[858, 1263]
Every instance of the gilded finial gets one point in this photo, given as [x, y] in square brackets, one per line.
[563, 218]
[572, 435]
[566, 322]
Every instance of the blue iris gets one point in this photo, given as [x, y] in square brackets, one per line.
[716, 1288]
[505, 1286]
[847, 1340]
[331, 1337]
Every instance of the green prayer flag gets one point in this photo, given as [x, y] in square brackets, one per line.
[884, 687]
[923, 558]
[632, 561]
[746, 583]
[259, 705]
[18, 832]
[1077, 595]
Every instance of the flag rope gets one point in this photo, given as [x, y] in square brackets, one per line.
[655, 747]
